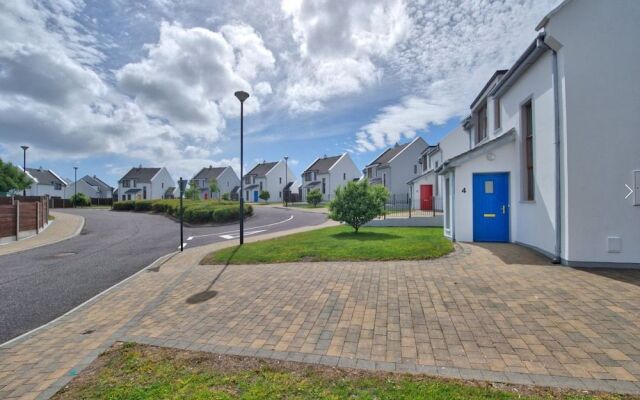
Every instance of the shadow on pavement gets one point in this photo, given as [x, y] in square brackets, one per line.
[208, 294]
[510, 253]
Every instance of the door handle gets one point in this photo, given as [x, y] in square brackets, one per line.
[504, 209]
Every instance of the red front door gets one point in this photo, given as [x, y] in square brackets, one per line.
[426, 197]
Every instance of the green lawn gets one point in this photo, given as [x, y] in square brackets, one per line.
[142, 372]
[340, 243]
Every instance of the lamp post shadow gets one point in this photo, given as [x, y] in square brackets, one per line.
[208, 294]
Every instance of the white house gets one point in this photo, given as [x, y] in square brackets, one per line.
[226, 178]
[426, 188]
[269, 176]
[395, 167]
[91, 186]
[45, 183]
[327, 174]
[146, 183]
[555, 140]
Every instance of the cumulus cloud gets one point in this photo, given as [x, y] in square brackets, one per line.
[190, 75]
[338, 45]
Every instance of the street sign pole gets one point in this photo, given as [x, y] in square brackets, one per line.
[182, 185]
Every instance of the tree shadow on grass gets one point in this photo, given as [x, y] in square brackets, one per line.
[208, 294]
[364, 236]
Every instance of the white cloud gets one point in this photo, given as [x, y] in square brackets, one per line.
[451, 51]
[338, 44]
[190, 75]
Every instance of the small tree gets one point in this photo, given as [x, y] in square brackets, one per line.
[264, 195]
[357, 203]
[192, 192]
[314, 197]
[80, 200]
[12, 178]
[225, 196]
[214, 188]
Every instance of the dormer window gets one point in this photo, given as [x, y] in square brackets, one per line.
[481, 118]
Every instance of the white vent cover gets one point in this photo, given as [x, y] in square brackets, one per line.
[614, 244]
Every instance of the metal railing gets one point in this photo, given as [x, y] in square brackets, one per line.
[404, 206]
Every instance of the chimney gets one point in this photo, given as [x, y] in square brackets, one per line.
[325, 156]
[140, 166]
[397, 144]
[210, 166]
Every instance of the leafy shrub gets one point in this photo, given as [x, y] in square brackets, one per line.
[142, 205]
[128, 205]
[226, 197]
[80, 200]
[195, 211]
[265, 195]
[314, 197]
[357, 203]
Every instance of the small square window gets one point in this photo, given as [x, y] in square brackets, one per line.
[488, 187]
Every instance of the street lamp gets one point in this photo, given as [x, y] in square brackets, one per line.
[75, 186]
[286, 180]
[24, 166]
[242, 96]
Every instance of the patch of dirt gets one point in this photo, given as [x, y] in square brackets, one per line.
[222, 363]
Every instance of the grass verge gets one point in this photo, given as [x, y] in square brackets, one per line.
[131, 371]
[340, 243]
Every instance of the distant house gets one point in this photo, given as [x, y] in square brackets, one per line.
[327, 174]
[146, 183]
[269, 176]
[426, 188]
[91, 186]
[395, 167]
[554, 141]
[228, 181]
[46, 183]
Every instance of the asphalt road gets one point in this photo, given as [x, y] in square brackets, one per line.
[38, 285]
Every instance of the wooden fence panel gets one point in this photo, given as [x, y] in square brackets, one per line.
[7, 220]
[27, 216]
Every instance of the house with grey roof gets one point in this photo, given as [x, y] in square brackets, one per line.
[273, 177]
[91, 186]
[395, 167]
[46, 183]
[226, 178]
[143, 183]
[327, 174]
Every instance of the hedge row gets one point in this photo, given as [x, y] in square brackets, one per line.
[195, 211]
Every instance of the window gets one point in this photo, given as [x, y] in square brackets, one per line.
[247, 179]
[488, 187]
[496, 113]
[57, 186]
[415, 169]
[246, 195]
[144, 192]
[344, 176]
[162, 185]
[125, 183]
[134, 183]
[124, 197]
[527, 135]
[384, 179]
[324, 185]
[280, 179]
[261, 186]
[280, 195]
[481, 130]
[368, 172]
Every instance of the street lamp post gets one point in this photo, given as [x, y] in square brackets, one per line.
[242, 96]
[183, 184]
[24, 166]
[286, 180]
[75, 186]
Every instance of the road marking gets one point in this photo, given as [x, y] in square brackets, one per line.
[236, 236]
[165, 257]
[183, 245]
[238, 230]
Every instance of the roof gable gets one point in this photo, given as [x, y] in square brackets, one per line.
[262, 168]
[45, 176]
[388, 154]
[141, 174]
[322, 165]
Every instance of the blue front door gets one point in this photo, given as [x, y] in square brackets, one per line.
[491, 207]
[255, 196]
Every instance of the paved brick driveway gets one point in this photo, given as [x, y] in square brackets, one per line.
[496, 312]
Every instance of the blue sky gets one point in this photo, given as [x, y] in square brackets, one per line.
[111, 84]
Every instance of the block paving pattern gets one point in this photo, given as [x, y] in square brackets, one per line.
[494, 312]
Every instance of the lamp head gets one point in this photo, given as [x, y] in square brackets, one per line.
[24, 147]
[242, 96]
